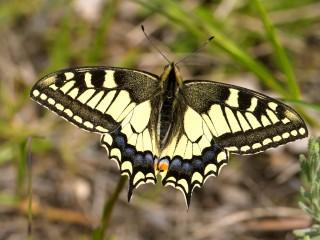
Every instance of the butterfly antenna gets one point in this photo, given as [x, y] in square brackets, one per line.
[196, 50]
[153, 45]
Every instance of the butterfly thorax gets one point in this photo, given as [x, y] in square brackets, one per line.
[170, 81]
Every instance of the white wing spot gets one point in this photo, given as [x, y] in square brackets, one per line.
[68, 112]
[294, 133]
[276, 138]
[285, 120]
[69, 75]
[88, 124]
[77, 119]
[101, 129]
[267, 141]
[232, 149]
[273, 105]
[232, 100]
[109, 81]
[285, 135]
[302, 131]
[53, 86]
[59, 106]
[253, 105]
[35, 93]
[256, 145]
[51, 101]
[87, 79]
[43, 96]
[245, 148]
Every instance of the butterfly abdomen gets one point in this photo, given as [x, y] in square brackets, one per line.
[167, 107]
[165, 119]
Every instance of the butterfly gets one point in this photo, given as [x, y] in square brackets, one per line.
[183, 130]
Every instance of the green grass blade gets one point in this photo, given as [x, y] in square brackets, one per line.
[279, 51]
[99, 233]
[21, 165]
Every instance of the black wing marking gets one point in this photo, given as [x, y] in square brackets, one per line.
[241, 120]
[114, 102]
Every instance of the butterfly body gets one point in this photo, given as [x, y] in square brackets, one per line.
[182, 130]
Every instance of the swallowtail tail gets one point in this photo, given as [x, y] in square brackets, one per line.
[182, 130]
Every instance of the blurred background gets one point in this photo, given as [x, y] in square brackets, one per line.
[69, 176]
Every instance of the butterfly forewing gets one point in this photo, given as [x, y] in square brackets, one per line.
[114, 102]
[241, 120]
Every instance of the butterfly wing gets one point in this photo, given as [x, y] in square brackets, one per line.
[241, 120]
[191, 154]
[215, 119]
[117, 103]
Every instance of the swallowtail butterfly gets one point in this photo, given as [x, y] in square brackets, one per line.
[182, 130]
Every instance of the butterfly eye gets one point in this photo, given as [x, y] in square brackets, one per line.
[166, 67]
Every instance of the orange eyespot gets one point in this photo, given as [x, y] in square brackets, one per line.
[162, 165]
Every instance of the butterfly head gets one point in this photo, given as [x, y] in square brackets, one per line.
[171, 73]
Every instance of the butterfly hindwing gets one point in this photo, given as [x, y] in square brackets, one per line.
[133, 145]
[114, 102]
[241, 120]
[191, 154]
